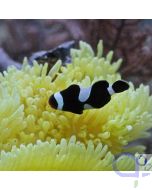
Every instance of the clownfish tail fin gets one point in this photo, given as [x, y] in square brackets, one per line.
[120, 86]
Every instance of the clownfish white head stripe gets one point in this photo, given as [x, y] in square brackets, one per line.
[76, 99]
[59, 99]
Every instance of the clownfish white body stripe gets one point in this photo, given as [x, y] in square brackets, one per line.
[110, 90]
[76, 99]
[84, 94]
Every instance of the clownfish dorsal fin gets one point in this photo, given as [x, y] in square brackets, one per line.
[71, 93]
[101, 83]
[71, 89]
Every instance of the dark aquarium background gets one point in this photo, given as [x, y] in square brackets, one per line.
[130, 39]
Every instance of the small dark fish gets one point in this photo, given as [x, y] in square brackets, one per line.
[51, 56]
[76, 99]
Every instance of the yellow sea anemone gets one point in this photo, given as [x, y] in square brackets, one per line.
[34, 136]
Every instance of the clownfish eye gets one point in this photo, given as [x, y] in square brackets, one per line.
[53, 103]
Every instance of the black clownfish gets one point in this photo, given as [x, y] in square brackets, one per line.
[76, 99]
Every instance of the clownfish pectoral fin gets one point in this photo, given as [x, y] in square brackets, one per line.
[120, 86]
